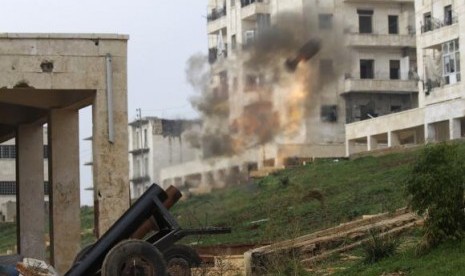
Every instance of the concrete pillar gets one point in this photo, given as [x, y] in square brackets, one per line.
[430, 133]
[30, 191]
[349, 147]
[110, 159]
[393, 139]
[65, 223]
[455, 129]
[372, 143]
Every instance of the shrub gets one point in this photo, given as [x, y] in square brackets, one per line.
[377, 248]
[435, 187]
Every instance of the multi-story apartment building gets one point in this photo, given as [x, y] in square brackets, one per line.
[366, 68]
[440, 34]
[8, 179]
[156, 143]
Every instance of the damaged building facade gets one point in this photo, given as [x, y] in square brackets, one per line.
[156, 143]
[274, 117]
[440, 33]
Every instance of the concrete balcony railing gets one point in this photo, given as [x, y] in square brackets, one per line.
[251, 10]
[381, 40]
[377, 85]
[216, 25]
[438, 36]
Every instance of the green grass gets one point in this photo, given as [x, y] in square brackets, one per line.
[447, 259]
[7, 237]
[285, 204]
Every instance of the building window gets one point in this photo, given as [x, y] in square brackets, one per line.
[394, 69]
[365, 21]
[249, 38]
[328, 113]
[233, 3]
[325, 21]
[145, 139]
[7, 151]
[428, 24]
[7, 187]
[367, 68]
[451, 62]
[393, 21]
[448, 15]
[233, 42]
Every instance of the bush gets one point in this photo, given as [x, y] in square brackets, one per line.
[435, 187]
[378, 247]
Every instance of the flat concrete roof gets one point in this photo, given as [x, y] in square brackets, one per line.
[64, 36]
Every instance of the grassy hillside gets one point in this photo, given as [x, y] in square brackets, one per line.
[300, 200]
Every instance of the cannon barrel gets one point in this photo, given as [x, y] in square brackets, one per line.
[122, 229]
[173, 195]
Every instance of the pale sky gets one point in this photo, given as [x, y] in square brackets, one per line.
[163, 35]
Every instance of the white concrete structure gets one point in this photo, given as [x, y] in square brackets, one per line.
[440, 36]
[154, 144]
[46, 79]
[8, 179]
[366, 68]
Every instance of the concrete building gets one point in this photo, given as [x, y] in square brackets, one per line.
[440, 34]
[8, 179]
[46, 79]
[154, 144]
[366, 68]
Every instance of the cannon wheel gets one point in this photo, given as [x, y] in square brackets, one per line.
[82, 253]
[134, 257]
[180, 259]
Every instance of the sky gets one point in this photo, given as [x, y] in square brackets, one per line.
[163, 35]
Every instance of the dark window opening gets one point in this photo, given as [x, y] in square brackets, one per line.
[394, 69]
[365, 21]
[329, 113]
[448, 15]
[367, 69]
[325, 21]
[233, 42]
[393, 21]
[428, 25]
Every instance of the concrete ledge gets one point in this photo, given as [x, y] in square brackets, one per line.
[107, 36]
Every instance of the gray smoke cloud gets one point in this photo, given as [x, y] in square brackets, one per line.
[263, 120]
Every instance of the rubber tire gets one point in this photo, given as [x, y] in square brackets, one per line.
[181, 256]
[127, 249]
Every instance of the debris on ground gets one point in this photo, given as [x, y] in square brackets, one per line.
[34, 267]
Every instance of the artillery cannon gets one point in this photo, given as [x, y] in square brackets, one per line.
[123, 250]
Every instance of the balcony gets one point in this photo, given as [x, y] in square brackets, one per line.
[381, 83]
[381, 40]
[216, 20]
[249, 11]
[432, 24]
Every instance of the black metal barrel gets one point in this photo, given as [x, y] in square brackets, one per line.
[122, 229]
